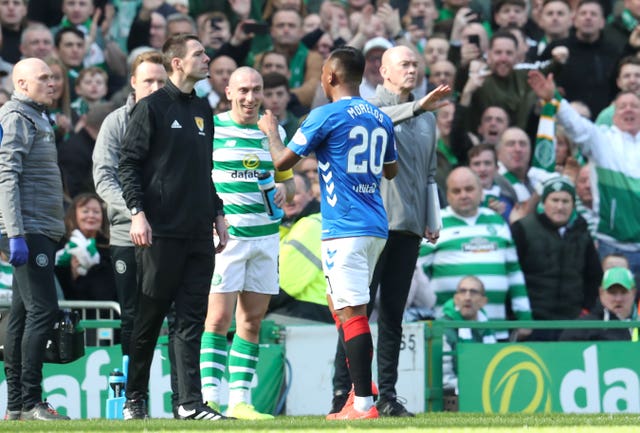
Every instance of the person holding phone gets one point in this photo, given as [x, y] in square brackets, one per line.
[457, 22]
[500, 84]
[214, 29]
[418, 21]
[474, 43]
[255, 28]
[475, 40]
[304, 64]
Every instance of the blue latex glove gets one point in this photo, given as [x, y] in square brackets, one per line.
[18, 251]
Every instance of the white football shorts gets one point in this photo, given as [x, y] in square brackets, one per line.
[248, 265]
[348, 265]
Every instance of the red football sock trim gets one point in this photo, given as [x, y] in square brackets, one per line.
[355, 326]
[336, 319]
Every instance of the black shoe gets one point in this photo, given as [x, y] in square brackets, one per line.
[339, 399]
[42, 411]
[392, 407]
[201, 412]
[13, 415]
[135, 409]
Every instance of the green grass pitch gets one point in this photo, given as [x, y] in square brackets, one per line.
[430, 422]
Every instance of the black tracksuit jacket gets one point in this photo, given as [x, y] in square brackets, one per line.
[166, 161]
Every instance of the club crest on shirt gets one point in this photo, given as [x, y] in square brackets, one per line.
[200, 124]
[216, 280]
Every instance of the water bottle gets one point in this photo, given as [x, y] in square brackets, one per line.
[116, 382]
[69, 327]
[267, 186]
[125, 366]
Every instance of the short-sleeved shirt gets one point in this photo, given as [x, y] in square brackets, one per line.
[352, 140]
[240, 152]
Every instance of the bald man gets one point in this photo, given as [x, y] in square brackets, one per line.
[247, 271]
[31, 223]
[406, 200]
[479, 242]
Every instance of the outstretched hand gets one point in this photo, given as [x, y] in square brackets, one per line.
[543, 87]
[433, 100]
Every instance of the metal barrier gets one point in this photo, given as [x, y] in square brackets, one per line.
[434, 396]
[104, 315]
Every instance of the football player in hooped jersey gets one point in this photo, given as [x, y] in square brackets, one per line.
[354, 143]
[246, 274]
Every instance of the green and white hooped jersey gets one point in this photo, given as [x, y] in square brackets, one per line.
[616, 194]
[239, 153]
[483, 248]
[6, 276]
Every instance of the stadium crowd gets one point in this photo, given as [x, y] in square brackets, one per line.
[537, 152]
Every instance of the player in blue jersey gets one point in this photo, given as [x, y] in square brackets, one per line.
[354, 144]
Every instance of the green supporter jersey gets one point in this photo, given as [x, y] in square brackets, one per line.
[6, 276]
[616, 158]
[239, 153]
[483, 248]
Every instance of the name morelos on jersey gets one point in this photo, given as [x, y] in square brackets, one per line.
[352, 141]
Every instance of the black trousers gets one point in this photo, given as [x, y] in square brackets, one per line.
[171, 271]
[125, 272]
[34, 308]
[123, 260]
[393, 274]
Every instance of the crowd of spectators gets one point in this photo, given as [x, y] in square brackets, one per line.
[530, 78]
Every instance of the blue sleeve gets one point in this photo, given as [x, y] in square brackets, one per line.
[310, 134]
[391, 154]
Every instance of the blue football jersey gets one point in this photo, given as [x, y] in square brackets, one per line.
[352, 140]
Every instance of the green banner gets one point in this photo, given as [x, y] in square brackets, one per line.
[572, 377]
[79, 389]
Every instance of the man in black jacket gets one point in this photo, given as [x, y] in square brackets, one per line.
[617, 302]
[165, 170]
[589, 50]
[558, 259]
